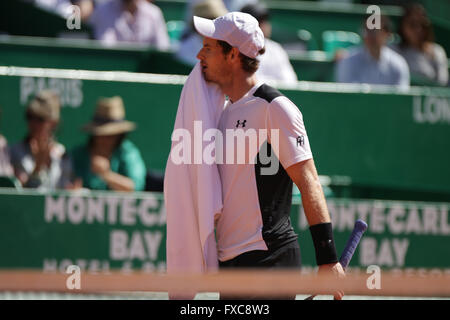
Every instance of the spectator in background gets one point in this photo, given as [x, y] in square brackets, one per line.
[235, 5]
[136, 21]
[109, 161]
[191, 42]
[374, 63]
[425, 58]
[274, 63]
[86, 8]
[63, 7]
[39, 161]
[5, 163]
[230, 5]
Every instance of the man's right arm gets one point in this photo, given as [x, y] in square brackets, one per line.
[304, 175]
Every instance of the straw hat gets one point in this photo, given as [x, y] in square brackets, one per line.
[209, 9]
[109, 118]
[45, 104]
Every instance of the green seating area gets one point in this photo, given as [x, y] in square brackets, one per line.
[18, 17]
[85, 54]
[335, 40]
[288, 17]
[321, 27]
[10, 182]
[90, 55]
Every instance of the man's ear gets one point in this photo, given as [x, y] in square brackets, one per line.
[234, 54]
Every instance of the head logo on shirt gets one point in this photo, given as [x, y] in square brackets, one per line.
[241, 124]
[300, 141]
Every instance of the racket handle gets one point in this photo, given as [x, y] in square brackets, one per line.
[352, 243]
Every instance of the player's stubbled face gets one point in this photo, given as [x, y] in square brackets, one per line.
[212, 61]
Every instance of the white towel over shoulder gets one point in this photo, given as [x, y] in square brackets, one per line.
[193, 192]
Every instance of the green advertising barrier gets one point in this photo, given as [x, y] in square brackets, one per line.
[101, 231]
[373, 136]
[98, 231]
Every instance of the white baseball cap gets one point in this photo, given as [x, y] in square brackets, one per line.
[239, 29]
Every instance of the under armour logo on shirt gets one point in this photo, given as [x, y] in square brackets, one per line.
[240, 124]
[300, 141]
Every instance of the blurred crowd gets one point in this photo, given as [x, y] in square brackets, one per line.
[108, 160]
[113, 21]
[383, 61]
[142, 22]
[388, 55]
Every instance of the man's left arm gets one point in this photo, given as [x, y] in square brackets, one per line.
[304, 175]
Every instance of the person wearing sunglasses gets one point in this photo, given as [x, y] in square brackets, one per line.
[39, 161]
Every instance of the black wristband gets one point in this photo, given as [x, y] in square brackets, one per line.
[322, 236]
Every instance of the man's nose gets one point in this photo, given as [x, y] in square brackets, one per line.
[200, 54]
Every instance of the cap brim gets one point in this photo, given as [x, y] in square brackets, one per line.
[204, 26]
